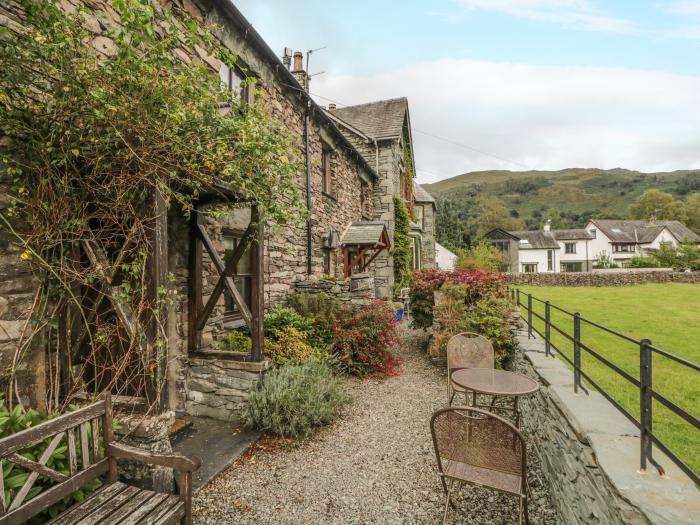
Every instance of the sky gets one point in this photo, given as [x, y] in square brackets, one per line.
[510, 84]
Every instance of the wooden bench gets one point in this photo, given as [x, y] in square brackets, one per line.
[90, 458]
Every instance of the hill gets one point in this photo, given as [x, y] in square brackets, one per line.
[569, 197]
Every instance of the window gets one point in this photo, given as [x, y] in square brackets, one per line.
[572, 267]
[593, 232]
[365, 200]
[569, 247]
[416, 253]
[327, 170]
[233, 79]
[501, 244]
[550, 260]
[327, 262]
[623, 248]
[243, 274]
[418, 214]
[529, 267]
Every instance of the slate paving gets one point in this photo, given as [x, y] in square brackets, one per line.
[374, 465]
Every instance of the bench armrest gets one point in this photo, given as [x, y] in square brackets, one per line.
[176, 461]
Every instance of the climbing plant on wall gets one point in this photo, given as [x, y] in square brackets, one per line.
[89, 139]
[402, 246]
[409, 174]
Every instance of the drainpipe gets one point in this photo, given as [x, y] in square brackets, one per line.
[307, 148]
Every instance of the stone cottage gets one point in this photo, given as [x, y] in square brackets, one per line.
[381, 131]
[337, 184]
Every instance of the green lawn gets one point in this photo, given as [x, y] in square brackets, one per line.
[669, 315]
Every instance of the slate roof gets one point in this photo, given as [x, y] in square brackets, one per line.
[571, 235]
[536, 240]
[381, 119]
[420, 194]
[363, 233]
[643, 231]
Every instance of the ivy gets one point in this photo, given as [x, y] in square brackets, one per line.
[402, 246]
[409, 173]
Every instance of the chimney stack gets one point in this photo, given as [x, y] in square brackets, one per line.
[287, 58]
[548, 225]
[331, 106]
[298, 70]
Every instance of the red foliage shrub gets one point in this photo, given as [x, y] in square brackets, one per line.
[479, 283]
[363, 342]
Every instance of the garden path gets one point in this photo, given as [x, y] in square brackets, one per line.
[374, 465]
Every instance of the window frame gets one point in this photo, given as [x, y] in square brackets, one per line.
[231, 312]
[550, 260]
[524, 267]
[570, 248]
[327, 186]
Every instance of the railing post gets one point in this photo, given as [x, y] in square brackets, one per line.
[547, 349]
[645, 415]
[529, 316]
[518, 296]
[512, 294]
[577, 351]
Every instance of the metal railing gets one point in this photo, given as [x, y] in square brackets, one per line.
[647, 394]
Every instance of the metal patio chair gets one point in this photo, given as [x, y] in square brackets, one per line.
[466, 350]
[477, 447]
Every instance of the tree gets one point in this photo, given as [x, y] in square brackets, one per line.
[692, 210]
[492, 213]
[482, 256]
[655, 204]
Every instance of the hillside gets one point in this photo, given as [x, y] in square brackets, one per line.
[568, 196]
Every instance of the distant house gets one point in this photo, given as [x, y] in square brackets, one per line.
[546, 250]
[622, 240]
[444, 258]
[423, 229]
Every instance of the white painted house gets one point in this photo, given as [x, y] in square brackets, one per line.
[622, 240]
[546, 250]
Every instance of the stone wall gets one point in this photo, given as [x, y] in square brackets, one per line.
[590, 453]
[428, 236]
[604, 278]
[358, 289]
[219, 387]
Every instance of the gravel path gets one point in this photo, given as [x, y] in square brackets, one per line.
[374, 465]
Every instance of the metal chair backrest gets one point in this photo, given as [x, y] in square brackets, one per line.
[477, 438]
[469, 350]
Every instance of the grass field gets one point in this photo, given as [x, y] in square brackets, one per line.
[668, 315]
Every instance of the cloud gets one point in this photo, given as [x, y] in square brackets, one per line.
[574, 14]
[689, 10]
[542, 117]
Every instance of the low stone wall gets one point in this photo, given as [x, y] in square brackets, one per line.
[357, 290]
[218, 387]
[590, 453]
[617, 278]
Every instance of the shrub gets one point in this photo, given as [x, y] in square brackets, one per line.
[483, 256]
[324, 310]
[280, 317]
[642, 262]
[363, 342]
[425, 282]
[295, 399]
[402, 246]
[288, 344]
[233, 341]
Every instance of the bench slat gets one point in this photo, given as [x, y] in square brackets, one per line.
[131, 506]
[145, 509]
[54, 494]
[84, 445]
[36, 467]
[170, 510]
[72, 462]
[107, 506]
[20, 440]
[94, 500]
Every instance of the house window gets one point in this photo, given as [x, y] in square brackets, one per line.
[529, 267]
[623, 248]
[569, 247]
[416, 253]
[233, 79]
[593, 232]
[550, 260]
[327, 170]
[418, 214]
[502, 245]
[243, 276]
[327, 262]
[572, 267]
[365, 199]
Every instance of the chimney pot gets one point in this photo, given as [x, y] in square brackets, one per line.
[331, 106]
[548, 226]
[298, 61]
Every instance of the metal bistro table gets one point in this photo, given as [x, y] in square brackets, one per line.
[497, 383]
